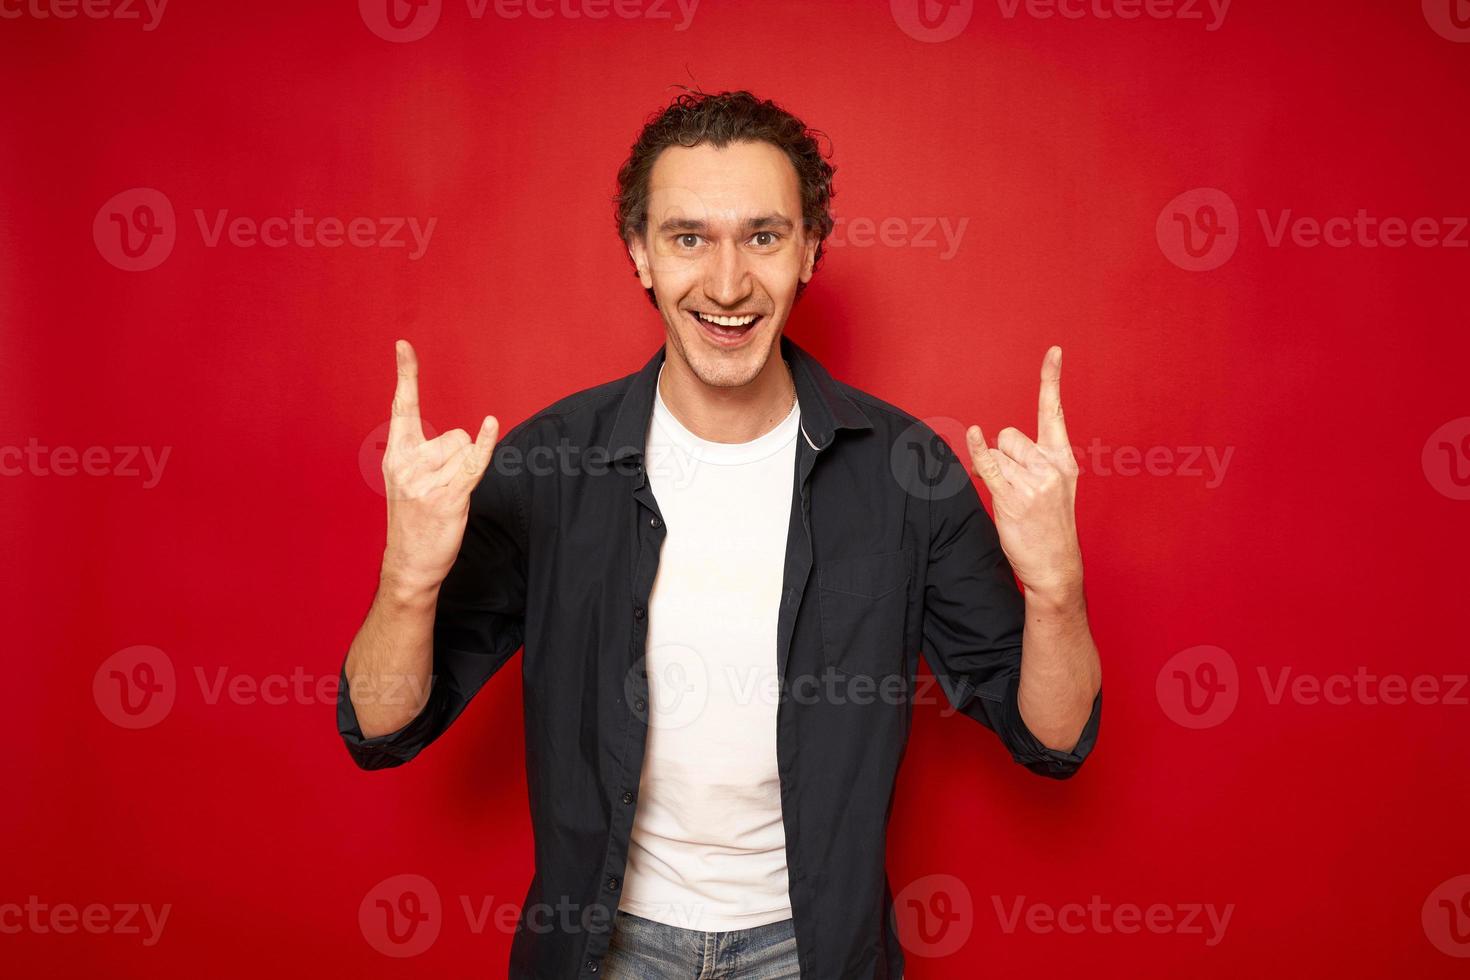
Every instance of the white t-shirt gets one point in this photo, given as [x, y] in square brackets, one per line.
[708, 848]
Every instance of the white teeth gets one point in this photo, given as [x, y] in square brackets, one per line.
[727, 321]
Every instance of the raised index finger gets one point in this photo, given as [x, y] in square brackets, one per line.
[1051, 430]
[405, 424]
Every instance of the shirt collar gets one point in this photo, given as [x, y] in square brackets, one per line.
[824, 408]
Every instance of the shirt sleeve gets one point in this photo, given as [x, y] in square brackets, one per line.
[479, 620]
[974, 614]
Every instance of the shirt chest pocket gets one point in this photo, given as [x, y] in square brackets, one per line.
[864, 602]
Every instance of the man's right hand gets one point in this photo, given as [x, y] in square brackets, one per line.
[428, 484]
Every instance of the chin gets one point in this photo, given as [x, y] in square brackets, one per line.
[725, 369]
[728, 372]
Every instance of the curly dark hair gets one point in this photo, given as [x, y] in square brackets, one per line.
[721, 119]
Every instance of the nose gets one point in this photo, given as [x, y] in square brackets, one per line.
[727, 280]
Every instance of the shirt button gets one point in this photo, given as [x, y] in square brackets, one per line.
[639, 705]
[612, 884]
[639, 611]
[655, 521]
[591, 966]
[627, 797]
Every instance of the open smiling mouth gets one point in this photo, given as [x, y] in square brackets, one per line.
[726, 331]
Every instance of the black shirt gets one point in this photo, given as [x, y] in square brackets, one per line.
[889, 555]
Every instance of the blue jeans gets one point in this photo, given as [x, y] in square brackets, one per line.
[642, 949]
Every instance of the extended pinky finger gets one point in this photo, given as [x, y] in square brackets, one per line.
[985, 461]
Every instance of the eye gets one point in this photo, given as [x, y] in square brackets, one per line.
[770, 236]
[688, 240]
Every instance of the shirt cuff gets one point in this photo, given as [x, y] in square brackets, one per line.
[381, 751]
[1029, 751]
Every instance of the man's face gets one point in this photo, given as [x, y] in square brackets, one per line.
[724, 238]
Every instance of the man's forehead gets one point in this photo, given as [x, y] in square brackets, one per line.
[731, 185]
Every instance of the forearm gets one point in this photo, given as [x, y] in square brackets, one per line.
[391, 659]
[1060, 670]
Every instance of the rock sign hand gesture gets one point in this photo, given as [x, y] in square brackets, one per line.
[428, 484]
[1033, 489]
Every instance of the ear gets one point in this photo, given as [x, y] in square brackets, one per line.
[638, 252]
[808, 259]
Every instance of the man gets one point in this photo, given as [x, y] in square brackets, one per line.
[723, 569]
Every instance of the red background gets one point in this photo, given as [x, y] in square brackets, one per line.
[1326, 548]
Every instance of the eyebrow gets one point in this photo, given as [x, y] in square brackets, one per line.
[761, 222]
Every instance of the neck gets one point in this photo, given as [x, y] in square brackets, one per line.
[733, 414]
